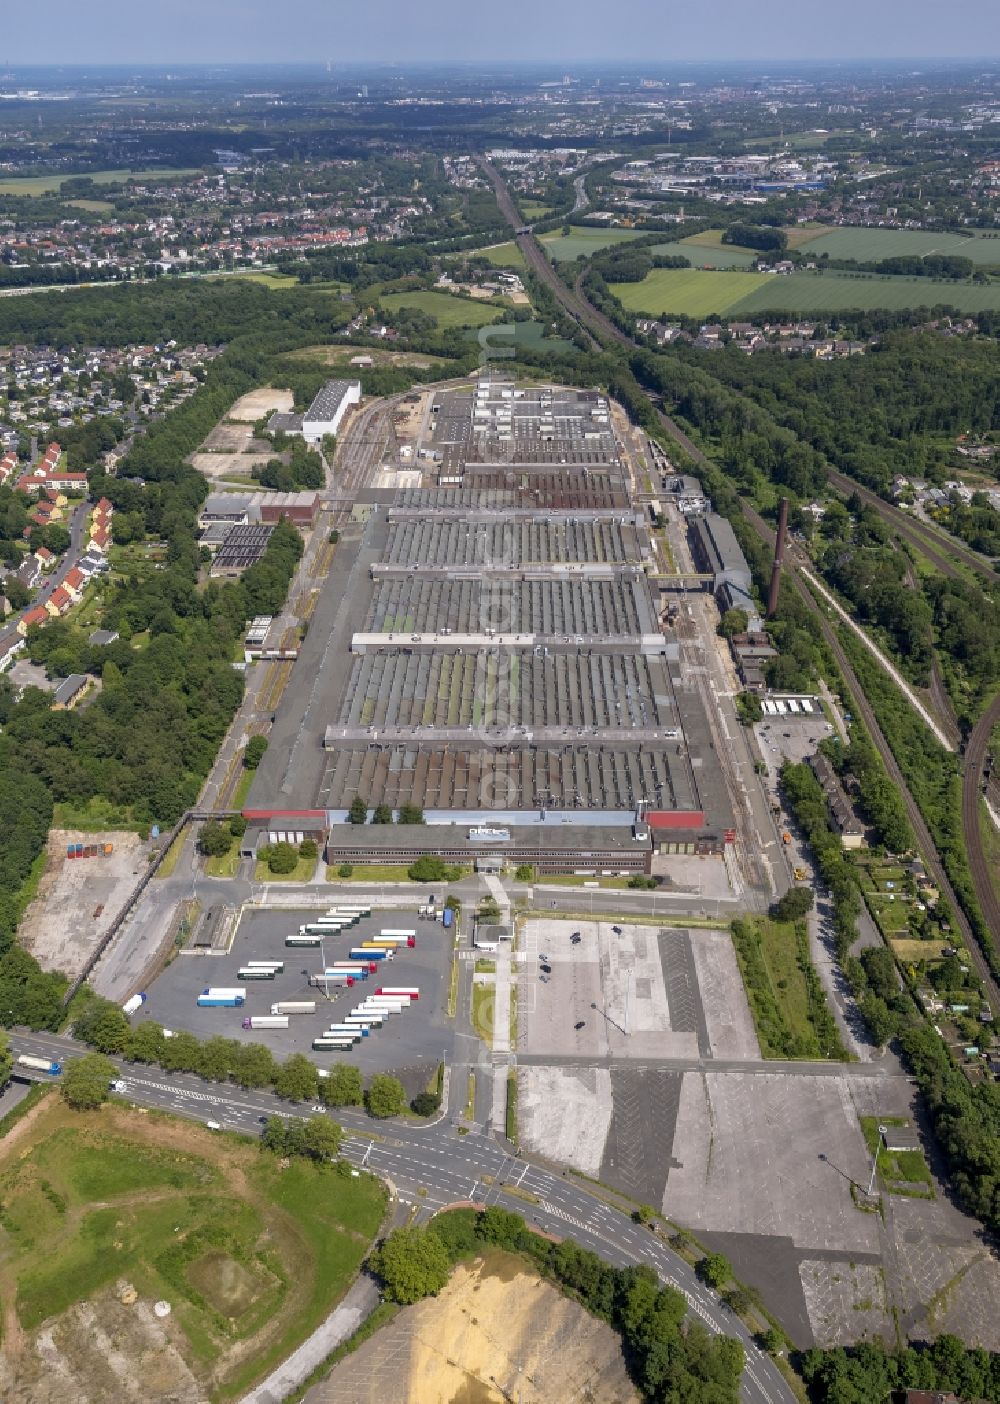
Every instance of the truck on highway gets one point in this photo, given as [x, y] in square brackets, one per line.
[222, 998]
[44, 1065]
[131, 1005]
[266, 1021]
[294, 1006]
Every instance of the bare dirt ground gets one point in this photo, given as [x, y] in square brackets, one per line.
[102, 1350]
[496, 1333]
[254, 405]
[334, 355]
[231, 446]
[78, 899]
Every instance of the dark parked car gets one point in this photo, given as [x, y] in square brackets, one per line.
[579, 1024]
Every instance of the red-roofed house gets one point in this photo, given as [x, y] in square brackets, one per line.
[45, 558]
[100, 539]
[59, 601]
[38, 615]
[75, 581]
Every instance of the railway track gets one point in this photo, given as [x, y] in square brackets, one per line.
[597, 326]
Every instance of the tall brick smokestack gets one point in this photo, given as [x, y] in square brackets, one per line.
[779, 556]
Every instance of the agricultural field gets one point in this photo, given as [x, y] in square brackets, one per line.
[872, 244]
[450, 310]
[809, 293]
[503, 255]
[108, 1213]
[585, 241]
[690, 292]
[533, 209]
[705, 256]
[45, 185]
[694, 293]
[274, 281]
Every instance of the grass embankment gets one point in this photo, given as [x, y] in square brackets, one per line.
[173, 853]
[787, 1001]
[483, 1012]
[510, 1126]
[250, 1251]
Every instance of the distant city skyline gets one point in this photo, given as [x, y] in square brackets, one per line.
[559, 31]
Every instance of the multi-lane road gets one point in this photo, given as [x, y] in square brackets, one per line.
[431, 1166]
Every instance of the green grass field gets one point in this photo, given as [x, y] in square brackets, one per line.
[529, 335]
[503, 255]
[809, 293]
[873, 244]
[584, 241]
[703, 255]
[533, 209]
[269, 280]
[694, 293]
[450, 311]
[689, 291]
[249, 1255]
[786, 1000]
[45, 185]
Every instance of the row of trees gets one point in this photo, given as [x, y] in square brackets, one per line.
[870, 1374]
[101, 1025]
[670, 1356]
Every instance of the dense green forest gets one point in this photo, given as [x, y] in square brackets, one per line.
[894, 411]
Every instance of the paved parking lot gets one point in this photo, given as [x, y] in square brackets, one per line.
[420, 1035]
[648, 993]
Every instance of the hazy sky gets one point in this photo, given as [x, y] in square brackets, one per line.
[143, 31]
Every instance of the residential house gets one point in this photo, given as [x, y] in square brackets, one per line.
[38, 615]
[59, 601]
[75, 582]
[849, 826]
[69, 692]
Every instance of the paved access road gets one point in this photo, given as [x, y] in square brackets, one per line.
[432, 1166]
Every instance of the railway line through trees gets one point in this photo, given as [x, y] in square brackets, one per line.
[599, 329]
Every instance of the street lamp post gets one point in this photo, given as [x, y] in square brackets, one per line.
[878, 1143]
